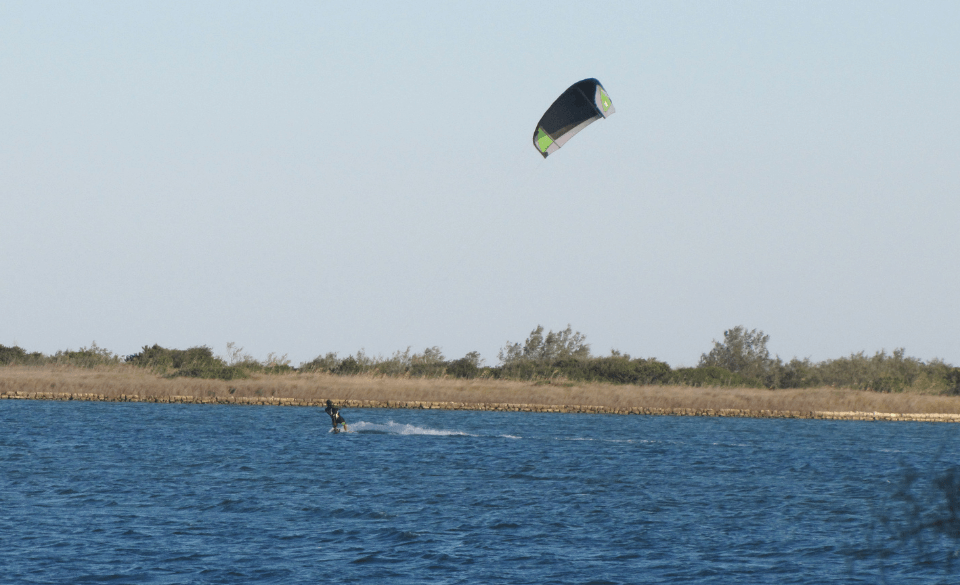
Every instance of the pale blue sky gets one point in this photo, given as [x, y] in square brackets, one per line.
[306, 177]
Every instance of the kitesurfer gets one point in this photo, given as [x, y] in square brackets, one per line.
[335, 417]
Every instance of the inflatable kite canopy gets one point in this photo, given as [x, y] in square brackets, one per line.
[578, 107]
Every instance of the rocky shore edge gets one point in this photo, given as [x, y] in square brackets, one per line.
[495, 407]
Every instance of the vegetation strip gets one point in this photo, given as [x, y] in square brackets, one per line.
[496, 407]
[741, 360]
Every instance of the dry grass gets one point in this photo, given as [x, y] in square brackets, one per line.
[117, 380]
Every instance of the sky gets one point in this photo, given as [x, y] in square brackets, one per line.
[300, 178]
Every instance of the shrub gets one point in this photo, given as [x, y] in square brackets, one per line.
[348, 366]
[17, 356]
[521, 370]
[711, 376]
[429, 364]
[86, 357]
[213, 372]
[278, 369]
[321, 363]
[745, 353]
[880, 373]
[794, 374]
[465, 367]
[952, 378]
[622, 370]
[554, 346]
[11, 355]
[437, 370]
[615, 369]
[742, 352]
[195, 362]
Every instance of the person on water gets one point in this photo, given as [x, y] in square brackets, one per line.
[335, 417]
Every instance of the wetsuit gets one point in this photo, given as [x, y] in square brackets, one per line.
[335, 417]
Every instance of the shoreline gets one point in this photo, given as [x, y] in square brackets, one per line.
[490, 407]
[127, 384]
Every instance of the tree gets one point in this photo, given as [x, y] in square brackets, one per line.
[742, 352]
[553, 346]
[466, 367]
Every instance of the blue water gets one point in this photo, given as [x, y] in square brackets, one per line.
[149, 493]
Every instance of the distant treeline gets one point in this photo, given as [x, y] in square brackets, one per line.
[740, 360]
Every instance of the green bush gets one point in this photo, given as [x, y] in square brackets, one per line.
[880, 372]
[348, 366]
[17, 356]
[163, 359]
[622, 370]
[437, 370]
[794, 374]
[321, 363]
[463, 368]
[86, 357]
[195, 362]
[12, 355]
[213, 372]
[711, 376]
[742, 352]
[524, 370]
[952, 378]
[745, 353]
[553, 346]
[278, 369]
[429, 364]
[614, 369]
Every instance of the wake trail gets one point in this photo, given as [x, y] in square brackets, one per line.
[394, 428]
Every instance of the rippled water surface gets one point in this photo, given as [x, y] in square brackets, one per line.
[150, 493]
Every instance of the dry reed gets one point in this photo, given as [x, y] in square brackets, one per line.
[114, 381]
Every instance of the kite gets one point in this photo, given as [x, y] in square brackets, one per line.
[583, 103]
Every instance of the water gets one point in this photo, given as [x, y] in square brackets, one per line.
[149, 493]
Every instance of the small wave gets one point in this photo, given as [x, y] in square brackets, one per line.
[601, 440]
[392, 428]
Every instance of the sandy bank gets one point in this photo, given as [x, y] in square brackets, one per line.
[124, 383]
